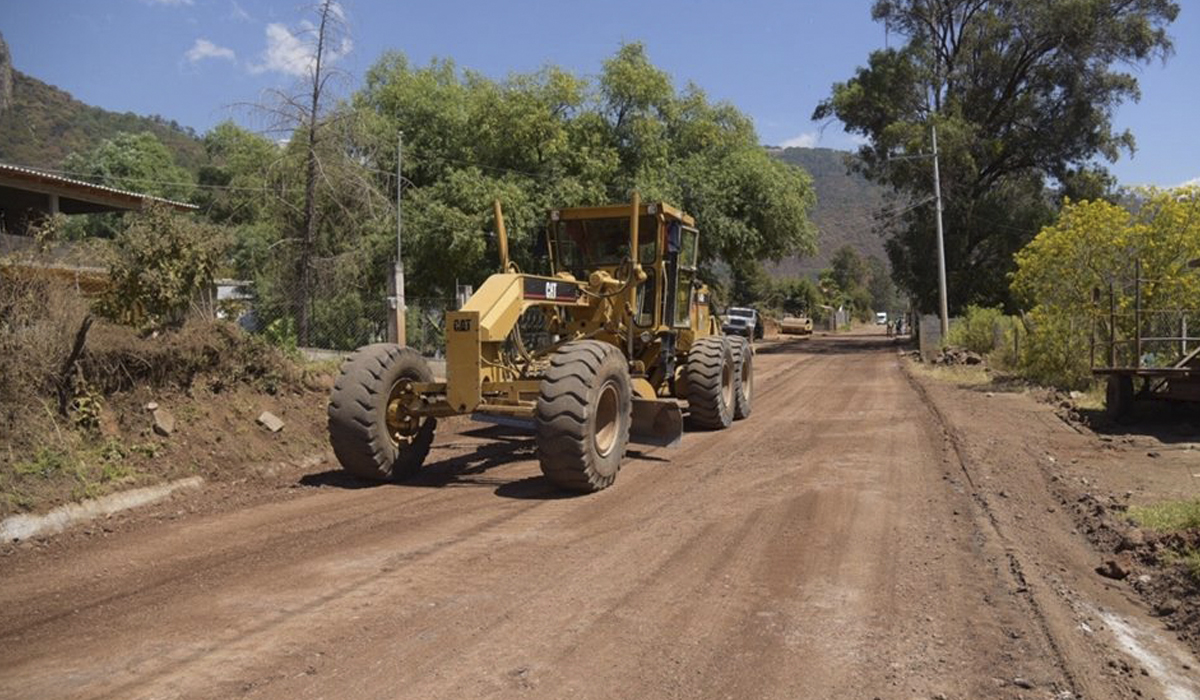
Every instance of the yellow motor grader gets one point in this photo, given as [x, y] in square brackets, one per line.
[592, 357]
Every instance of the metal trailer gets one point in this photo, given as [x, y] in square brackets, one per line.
[1145, 353]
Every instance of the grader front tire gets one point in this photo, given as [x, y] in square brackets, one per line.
[711, 383]
[584, 411]
[364, 442]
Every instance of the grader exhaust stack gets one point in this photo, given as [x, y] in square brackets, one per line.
[592, 357]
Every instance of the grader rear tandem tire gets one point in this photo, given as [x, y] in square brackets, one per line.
[743, 364]
[584, 411]
[363, 441]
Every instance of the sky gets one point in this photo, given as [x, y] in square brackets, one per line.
[194, 61]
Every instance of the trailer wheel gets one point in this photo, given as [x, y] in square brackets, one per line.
[712, 382]
[583, 414]
[1118, 396]
[743, 364]
[367, 441]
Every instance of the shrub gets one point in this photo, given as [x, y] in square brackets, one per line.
[39, 318]
[980, 330]
[117, 358]
[163, 263]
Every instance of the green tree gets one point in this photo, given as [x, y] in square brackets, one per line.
[881, 287]
[128, 161]
[751, 285]
[236, 178]
[1022, 94]
[798, 295]
[1091, 246]
[849, 269]
[550, 139]
[136, 162]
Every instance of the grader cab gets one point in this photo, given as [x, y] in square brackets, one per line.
[590, 358]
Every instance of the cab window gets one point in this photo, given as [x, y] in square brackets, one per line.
[686, 276]
[584, 245]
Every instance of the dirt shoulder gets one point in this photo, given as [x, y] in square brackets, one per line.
[1059, 492]
[147, 410]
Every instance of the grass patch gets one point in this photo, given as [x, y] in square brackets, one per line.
[961, 375]
[1170, 516]
[1093, 398]
[1189, 559]
[76, 469]
[329, 366]
[47, 463]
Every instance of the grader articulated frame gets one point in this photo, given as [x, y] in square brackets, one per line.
[623, 329]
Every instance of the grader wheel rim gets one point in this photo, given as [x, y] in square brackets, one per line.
[608, 421]
[401, 427]
[727, 383]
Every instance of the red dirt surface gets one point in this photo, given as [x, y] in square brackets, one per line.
[863, 534]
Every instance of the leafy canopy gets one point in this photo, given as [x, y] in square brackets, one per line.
[552, 139]
[1022, 93]
[137, 162]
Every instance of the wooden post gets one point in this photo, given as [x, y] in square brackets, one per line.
[1112, 326]
[1137, 313]
[1183, 333]
[1016, 342]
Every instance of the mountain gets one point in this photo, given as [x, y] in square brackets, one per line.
[846, 207]
[41, 124]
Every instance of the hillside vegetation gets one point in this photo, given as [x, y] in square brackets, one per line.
[40, 125]
[845, 212]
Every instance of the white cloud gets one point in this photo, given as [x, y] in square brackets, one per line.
[1194, 182]
[239, 13]
[203, 48]
[170, 3]
[293, 53]
[806, 140]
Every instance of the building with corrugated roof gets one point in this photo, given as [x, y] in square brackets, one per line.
[28, 196]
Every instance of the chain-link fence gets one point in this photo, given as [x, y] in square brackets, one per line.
[1149, 338]
[339, 318]
[426, 324]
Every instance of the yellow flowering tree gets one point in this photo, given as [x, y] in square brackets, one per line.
[1095, 245]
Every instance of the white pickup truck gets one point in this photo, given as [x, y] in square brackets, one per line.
[742, 321]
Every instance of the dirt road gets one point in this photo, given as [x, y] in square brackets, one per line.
[827, 547]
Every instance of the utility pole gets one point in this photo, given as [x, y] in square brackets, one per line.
[399, 308]
[941, 242]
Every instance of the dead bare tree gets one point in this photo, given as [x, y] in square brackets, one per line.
[303, 111]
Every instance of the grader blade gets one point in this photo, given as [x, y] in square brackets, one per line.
[656, 422]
